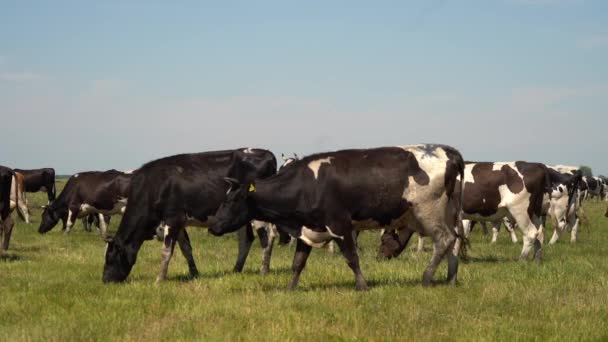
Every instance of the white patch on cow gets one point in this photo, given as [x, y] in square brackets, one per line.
[434, 165]
[165, 230]
[483, 200]
[128, 172]
[334, 235]
[119, 208]
[315, 165]
[497, 166]
[314, 239]
[69, 223]
[248, 150]
[468, 172]
[76, 176]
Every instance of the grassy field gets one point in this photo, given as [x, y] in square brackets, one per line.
[51, 289]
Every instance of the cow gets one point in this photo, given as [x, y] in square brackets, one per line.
[40, 180]
[594, 186]
[176, 191]
[330, 195]
[6, 221]
[93, 192]
[564, 215]
[18, 198]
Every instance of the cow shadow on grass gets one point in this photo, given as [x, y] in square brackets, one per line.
[185, 277]
[10, 257]
[347, 285]
[485, 259]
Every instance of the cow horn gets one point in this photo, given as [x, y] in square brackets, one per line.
[232, 181]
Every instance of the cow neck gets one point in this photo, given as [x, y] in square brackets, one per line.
[268, 204]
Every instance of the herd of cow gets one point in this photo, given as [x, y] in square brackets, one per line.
[319, 199]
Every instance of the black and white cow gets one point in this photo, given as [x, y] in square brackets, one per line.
[519, 191]
[40, 180]
[176, 191]
[563, 215]
[330, 195]
[94, 192]
[594, 187]
[6, 222]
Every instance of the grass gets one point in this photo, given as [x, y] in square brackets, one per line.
[51, 289]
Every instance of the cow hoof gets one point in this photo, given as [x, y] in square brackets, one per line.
[264, 271]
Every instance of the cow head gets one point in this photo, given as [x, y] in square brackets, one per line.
[235, 211]
[50, 217]
[119, 261]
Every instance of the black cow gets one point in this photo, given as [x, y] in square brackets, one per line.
[6, 222]
[330, 195]
[176, 191]
[93, 192]
[40, 180]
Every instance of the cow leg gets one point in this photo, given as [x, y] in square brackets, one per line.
[484, 227]
[530, 236]
[184, 245]
[574, 231]
[349, 250]
[72, 215]
[495, 230]
[467, 226]
[171, 232]
[102, 224]
[7, 227]
[271, 234]
[511, 230]
[299, 262]
[86, 224]
[420, 247]
[331, 247]
[443, 244]
[246, 237]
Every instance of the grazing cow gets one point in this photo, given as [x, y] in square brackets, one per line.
[93, 192]
[330, 195]
[176, 191]
[40, 180]
[18, 199]
[6, 222]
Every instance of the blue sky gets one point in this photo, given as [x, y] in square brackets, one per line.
[113, 84]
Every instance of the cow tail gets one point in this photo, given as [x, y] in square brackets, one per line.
[54, 190]
[17, 195]
[464, 242]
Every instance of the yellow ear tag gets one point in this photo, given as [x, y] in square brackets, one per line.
[251, 187]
